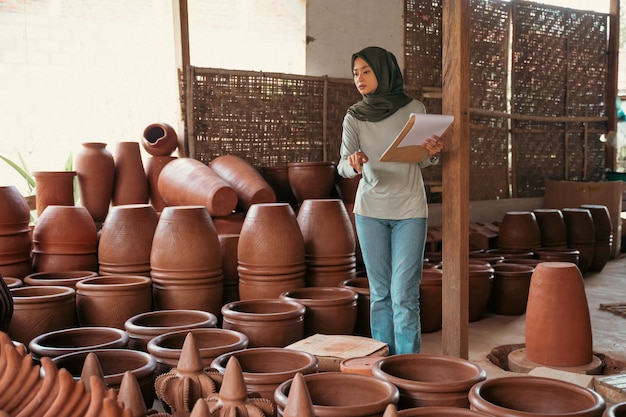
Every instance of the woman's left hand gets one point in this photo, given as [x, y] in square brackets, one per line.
[434, 146]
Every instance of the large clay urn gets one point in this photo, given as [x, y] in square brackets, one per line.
[126, 240]
[186, 261]
[312, 179]
[63, 278]
[338, 394]
[131, 184]
[246, 180]
[54, 188]
[519, 231]
[277, 177]
[604, 235]
[187, 181]
[534, 396]
[581, 235]
[95, 171]
[329, 242]
[65, 238]
[430, 380]
[271, 253]
[329, 310]
[552, 227]
[15, 238]
[265, 368]
[266, 322]
[111, 300]
[159, 139]
[154, 165]
[511, 284]
[41, 309]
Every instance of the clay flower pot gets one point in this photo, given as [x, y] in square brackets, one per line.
[54, 188]
[159, 139]
[211, 343]
[329, 310]
[527, 395]
[511, 284]
[142, 327]
[62, 278]
[312, 179]
[64, 341]
[264, 369]
[335, 394]
[266, 322]
[95, 171]
[552, 227]
[430, 380]
[519, 231]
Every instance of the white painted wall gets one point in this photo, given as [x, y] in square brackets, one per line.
[337, 29]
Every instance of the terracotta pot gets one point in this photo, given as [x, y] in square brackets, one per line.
[329, 310]
[278, 178]
[230, 224]
[228, 249]
[12, 282]
[159, 139]
[581, 235]
[264, 369]
[486, 257]
[54, 188]
[558, 326]
[528, 395]
[335, 394]
[111, 300]
[95, 171]
[246, 180]
[187, 181]
[360, 285]
[142, 327]
[361, 365]
[6, 306]
[519, 231]
[310, 180]
[131, 184]
[615, 410]
[154, 165]
[511, 284]
[554, 254]
[266, 322]
[64, 341]
[115, 363]
[271, 254]
[329, 242]
[509, 254]
[65, 238]
[211, 343]
[552, 227]
[186, 261]
[40, 309]
[604, 235]
[430, 380]
[431, 294]
[126, 240]
[15, 238]
[63, 278]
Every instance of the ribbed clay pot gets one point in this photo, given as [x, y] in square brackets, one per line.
[277, 177]
[266, 322]
[246, 180]
[329, 310]
[159, 139]
[338, 394]
[114, 363]
[264, 369]
[187, 181]
[142, 327]
[111, 300]
[519, 231]
[552, 227]
[313, 179]
[615, 410]
[75, 339]
[210, 342]
[15, 238]
[534, 396]
[131, 184]
[54, 188]
[95, 171]
[511, 284]
[431, 294]
[126, 240]
[41, 309]
[65, 238]
[153, 166]
[430, 380]
[360, 285]
[63, 278]
[553, 254]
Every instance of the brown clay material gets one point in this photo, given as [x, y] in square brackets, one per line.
[552, 227]
[15, 238]
[159, 139]
[54, 188]
[510, 288]
[519, 231]
[154, 165]
[131, 184]
[431, 294]
[62, 278]
[277, 177]
[361, 286]
[312, 179]
[95, 171]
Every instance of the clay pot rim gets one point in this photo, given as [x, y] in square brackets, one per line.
[58, 278]
[540, 383]
[113, 282]
[230, 309]
[118, 337]
[443, 411]
[280, 395]
[197, 318]
[46, 292]
[431, 360]
[320, 296]
[154, 347]
[503, 268]
[310, 364]
[12, 282]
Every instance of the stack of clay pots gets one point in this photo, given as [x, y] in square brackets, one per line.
[603, 235]
[581, 235]
[15, 238]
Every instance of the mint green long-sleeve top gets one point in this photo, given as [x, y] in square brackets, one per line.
[387, 190]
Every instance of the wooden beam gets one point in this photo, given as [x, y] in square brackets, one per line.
[181, 55]
[610, 160]
[455, 175]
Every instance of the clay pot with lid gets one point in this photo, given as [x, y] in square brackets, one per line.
[511, 284]
[63, 278]
[265, 368]
[15, 238]
[159, 139]
[529, 395]
[312, 179]
[95, 172]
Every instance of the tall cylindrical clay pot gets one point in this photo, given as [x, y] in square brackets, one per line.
[159, 139]
[95, 171]
[54, 188]
[131, 184]
[154, 165]
[15, 237]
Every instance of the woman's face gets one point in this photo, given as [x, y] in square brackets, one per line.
[364, 77]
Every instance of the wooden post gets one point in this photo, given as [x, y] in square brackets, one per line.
[455, 160]
[182, 57]
[610, 161]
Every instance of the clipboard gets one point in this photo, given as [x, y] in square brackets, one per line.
[407, 146]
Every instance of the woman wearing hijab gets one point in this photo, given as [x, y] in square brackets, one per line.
[391, 209]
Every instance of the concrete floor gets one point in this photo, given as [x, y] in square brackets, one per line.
[609, 329]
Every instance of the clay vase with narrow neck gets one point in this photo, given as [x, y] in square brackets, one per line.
[54, 188]
[131, 184]
[159, 139]
[15, 238]
[95, 170]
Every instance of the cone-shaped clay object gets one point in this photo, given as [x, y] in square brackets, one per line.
[299, 400]
[129, 396]
[391, 411]
[91, 367]
[201, 409]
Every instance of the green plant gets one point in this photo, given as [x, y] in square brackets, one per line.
[23, 170]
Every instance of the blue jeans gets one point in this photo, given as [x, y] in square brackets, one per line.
[393, 253]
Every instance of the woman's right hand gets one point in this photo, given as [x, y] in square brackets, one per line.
[356, 161]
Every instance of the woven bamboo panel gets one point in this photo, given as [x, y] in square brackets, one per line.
[341, 94]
